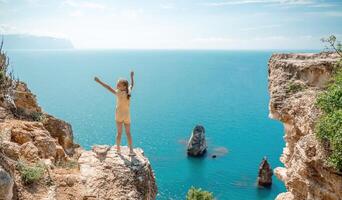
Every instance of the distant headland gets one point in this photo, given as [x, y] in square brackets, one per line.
[26, 41]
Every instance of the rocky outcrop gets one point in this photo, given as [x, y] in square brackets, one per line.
[108, 175]
[60, 130]
[265, 174]
[197, 145]
[295, 80]
[30, 137]
[25, 100]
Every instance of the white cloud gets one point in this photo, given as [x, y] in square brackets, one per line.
[131, 13]
[76, 13]
[323, 5]
[333, 13]
[261, 27]
[213, 40]
[327, 13]
[83, 4]
[167, 6]
[236, 2]
[267, 42]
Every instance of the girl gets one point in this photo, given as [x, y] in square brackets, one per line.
[122, 116]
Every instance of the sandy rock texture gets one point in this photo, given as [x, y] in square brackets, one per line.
[109, 175]
[295, 80]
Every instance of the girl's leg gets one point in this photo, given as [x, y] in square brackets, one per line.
[118, 135]
[129, 137]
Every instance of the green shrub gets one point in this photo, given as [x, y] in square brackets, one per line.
[37, 116]
[294, 87]
[329, 125]
[31, 173]
[331, 99]
[199, 194]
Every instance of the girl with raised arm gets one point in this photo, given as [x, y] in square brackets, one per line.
[122, 115]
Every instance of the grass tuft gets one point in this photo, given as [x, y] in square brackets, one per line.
[31, 173]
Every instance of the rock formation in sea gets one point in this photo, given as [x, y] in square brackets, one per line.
[197, 145]
[265, 174]
[33, 142]
[295, 80]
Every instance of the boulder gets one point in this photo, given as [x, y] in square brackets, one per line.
[60, 153]
[60, 130]
[25, 100]
[20, 136]
[197, 145]
[46, 146]
[10, 149]
[105, 174]
[265, 174]
[6, 185]
[285, 196]
[29, 152]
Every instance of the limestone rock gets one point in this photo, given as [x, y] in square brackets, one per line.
[29, 152]
[62, 131]
[305, 175]
[265, 174]
[6, 185]
[20, 136]
[285, 196]
[117, 176]
[25, 100]
[197, 144]
[60, 153]
[46, 146]
[10, 149]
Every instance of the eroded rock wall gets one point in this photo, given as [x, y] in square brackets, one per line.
[295, 80]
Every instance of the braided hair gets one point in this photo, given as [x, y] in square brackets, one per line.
[125, 83]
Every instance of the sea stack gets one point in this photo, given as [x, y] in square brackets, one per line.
[265, 174]
[197, 145]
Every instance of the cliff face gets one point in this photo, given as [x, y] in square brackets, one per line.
[109, 175]
[29, 136]
[295, 80]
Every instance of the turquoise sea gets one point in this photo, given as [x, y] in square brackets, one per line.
[226, 91]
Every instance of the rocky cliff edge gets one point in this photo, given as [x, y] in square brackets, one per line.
[32, 139]
[295, 80]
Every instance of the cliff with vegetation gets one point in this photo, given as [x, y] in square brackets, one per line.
[40, 160]
[296, 82]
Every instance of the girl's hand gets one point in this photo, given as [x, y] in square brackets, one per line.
[132, 73]
[96, 79]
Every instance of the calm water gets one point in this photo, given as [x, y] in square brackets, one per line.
[226, 91]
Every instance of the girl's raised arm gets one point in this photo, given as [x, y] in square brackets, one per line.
[132, 79]
[104, 85]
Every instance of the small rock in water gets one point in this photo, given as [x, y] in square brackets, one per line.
[265, 174]
[197, 145]
[220, 151]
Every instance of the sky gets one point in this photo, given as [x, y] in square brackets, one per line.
[176, 24]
